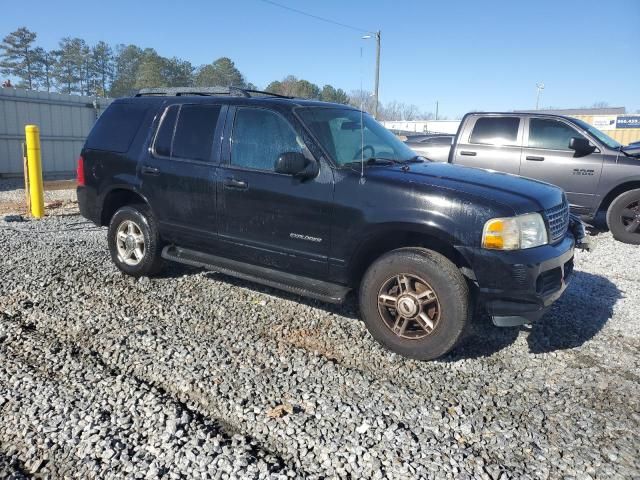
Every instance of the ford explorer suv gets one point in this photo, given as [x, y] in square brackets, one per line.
[319, 199]
[597, 173]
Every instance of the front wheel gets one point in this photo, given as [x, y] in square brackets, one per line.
[415, 302]
[623, 217]
[134, 241]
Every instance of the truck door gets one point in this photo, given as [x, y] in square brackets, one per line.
[491, 142]
[546, 156]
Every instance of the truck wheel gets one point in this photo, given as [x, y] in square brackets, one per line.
[623, 217]
[134, 241]
[415, 302]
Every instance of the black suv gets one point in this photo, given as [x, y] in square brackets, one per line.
[320, 199]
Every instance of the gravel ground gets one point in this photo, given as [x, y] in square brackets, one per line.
[194, 374]
[12, 198]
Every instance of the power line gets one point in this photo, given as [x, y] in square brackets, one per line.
[327, 20]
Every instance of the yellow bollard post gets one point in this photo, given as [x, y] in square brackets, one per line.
[34, 163]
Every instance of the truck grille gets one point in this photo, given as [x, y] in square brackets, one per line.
[558, 219]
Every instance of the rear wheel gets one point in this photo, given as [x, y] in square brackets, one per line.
[134, 241]
[415, 302]
[623, 217]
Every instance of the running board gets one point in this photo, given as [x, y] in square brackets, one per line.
[305, 286]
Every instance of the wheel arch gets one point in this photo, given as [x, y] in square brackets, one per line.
[118, 197]
[391, 237]
[616, 191]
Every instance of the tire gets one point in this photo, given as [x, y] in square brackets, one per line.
[138, 251]
[623, 217]
[419, 271]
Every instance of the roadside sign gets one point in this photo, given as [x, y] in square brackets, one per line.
[628, 121]
[604, 122]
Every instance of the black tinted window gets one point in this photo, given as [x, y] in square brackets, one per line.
[193, 138]
[164, 137]
[495, 131]
[550, 134]
[260, 137]
[117, 127]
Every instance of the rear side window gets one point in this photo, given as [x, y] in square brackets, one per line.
[116, 127]
[495, 131]
[550, 134]
[187, 132]
[164, 138]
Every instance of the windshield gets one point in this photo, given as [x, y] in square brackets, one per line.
[603, 137]
[351, 136]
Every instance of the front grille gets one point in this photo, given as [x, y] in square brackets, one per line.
[558, 220]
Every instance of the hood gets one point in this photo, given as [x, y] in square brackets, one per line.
[521, 194]
[632, 149]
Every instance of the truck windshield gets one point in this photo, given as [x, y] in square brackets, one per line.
[603, 137]
[350, 136]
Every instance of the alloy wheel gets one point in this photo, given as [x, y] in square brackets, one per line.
[130, 243]
[409, 306]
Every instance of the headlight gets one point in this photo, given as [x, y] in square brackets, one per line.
[513, 233]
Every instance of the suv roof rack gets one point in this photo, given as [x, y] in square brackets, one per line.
[204, 91]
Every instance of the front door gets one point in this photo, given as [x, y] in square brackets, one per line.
[546, 156]
[267, 218]
[179, 174]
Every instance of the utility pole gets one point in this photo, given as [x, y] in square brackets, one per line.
[539, 87]
[437, 109]
[375, 108]
[377, 82]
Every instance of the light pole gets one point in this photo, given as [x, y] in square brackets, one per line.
[539, 87]
[377, 82]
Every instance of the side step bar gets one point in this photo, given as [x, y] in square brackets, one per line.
[307, 287]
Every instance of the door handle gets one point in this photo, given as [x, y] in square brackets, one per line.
[468, 153]
[535, 158]
[147, 170]
[236, 184]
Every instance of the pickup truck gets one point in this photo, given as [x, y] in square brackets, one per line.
[320, 199]
[597, 173]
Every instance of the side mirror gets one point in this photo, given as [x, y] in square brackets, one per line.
[292, 163]
[580, 145]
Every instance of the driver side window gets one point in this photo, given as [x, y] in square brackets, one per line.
[550, 134]
[259, 137]
[350, 138]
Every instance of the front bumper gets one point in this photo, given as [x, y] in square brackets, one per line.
[517, 287]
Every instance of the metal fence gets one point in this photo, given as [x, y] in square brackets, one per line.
[64, 121]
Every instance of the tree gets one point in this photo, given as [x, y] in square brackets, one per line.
[330, 94]
[103, 67]
[127, 61]
[221, 73]
[177, 72]
[18, 56]
[44, 64]
[70, 69]
[150, 73]
[362, 99]
[294, 87]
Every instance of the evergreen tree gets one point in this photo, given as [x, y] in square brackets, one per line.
[127, 62]
[18, 56]
[221, 73]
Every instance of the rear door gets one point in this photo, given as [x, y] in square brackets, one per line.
[546, 156]
[179, 173]
[492, 142]
[268, 218]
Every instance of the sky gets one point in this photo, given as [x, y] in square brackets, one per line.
[465, 55]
